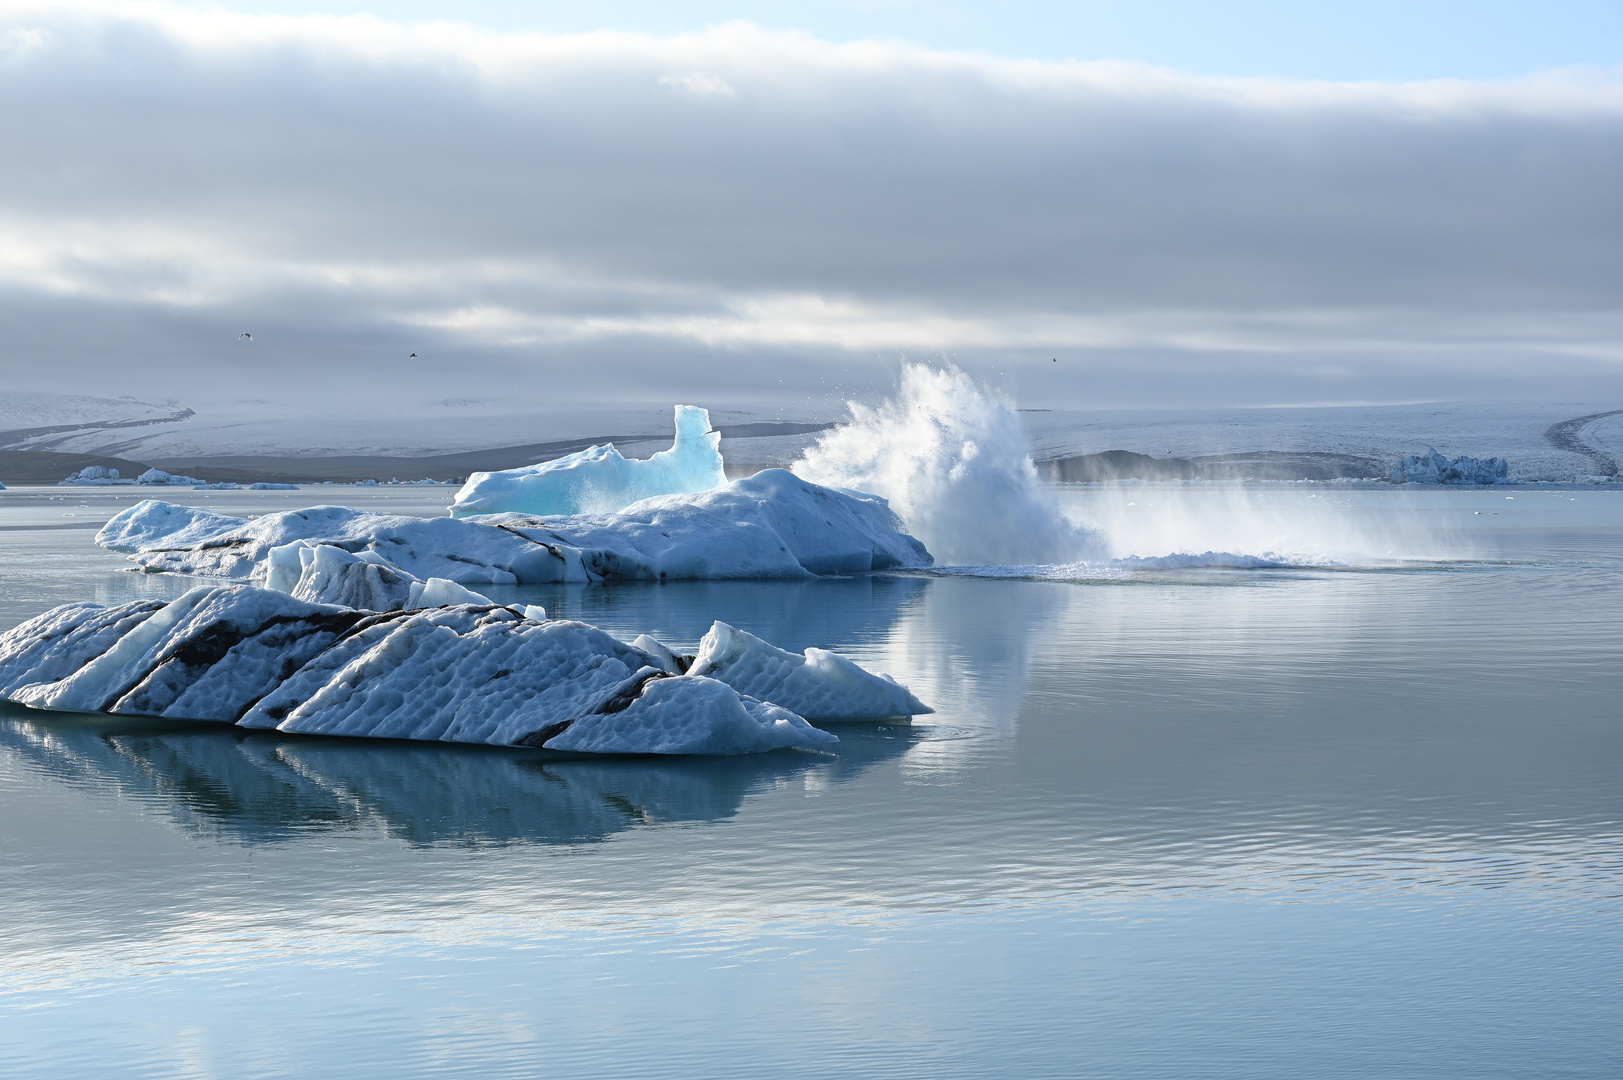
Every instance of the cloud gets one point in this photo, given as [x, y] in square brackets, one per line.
[751, 202]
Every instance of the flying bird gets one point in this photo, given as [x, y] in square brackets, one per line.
[250, 337]
[413, 356]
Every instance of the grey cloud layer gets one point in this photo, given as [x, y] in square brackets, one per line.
[741, 195]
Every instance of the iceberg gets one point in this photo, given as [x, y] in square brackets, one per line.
[223, 485]
[265, 486]
[472, 673]
[158, 476]
[599, 479]
[1433, 468]
[94, 476]
[770, 525]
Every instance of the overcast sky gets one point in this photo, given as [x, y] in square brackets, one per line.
[667, 208]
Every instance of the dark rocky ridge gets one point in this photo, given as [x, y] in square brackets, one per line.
[1260, 465]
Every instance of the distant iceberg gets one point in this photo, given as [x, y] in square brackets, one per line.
[158, 476]
[264, 486]
[222, 485]
[477, 673]
[770, 525]
[94, 476]
[1433, 468]
[599, 479]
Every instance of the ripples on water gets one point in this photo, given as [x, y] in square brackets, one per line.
[1217, 823]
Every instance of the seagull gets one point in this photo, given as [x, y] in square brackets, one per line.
[413, 356]
[250, 337]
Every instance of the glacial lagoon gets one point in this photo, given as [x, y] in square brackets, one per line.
[1352, 819]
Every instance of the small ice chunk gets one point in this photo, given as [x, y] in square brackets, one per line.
[816, 683]
[331, 575]
[676, 665]
[599, 479]
[443, 592]
[535, 612]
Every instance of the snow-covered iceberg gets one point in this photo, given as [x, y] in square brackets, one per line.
[94, 476]
[770, 525]
[259, 658]
[600, 479]
[1433, 468]
[158, 476]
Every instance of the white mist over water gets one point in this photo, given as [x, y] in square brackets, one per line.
[952, 460]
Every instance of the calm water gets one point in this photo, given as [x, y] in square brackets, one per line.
[1329, 822]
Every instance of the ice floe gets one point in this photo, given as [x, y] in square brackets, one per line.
[600, 479]
[478, 673]
[1433, 468]
[771, 525]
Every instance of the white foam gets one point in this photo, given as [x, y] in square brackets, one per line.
[951, 460]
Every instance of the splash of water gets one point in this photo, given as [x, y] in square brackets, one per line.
[951, 459]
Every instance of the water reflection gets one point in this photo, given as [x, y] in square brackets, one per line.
[264, 787]
[828, 613]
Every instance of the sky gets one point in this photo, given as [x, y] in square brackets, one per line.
[1087, 205]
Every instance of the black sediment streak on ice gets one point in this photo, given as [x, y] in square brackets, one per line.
[1568, 435]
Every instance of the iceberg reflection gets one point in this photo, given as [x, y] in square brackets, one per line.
[268, 787]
